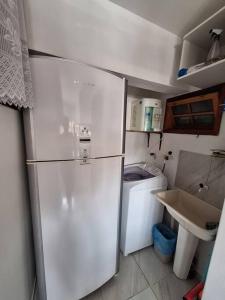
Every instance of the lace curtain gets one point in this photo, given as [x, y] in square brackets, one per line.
[15, 76]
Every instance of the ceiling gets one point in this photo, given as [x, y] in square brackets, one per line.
[177, 16]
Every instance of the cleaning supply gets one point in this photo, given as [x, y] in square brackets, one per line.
[200, 295]
[196, 67]
[211, 225]
[134, 113]
[156, 117]
[182, 72]
[215, 50]
[193, 293]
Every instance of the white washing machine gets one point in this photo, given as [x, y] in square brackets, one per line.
[140, 209]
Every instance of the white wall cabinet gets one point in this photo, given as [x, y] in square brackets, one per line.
[108, 36]
[196, 45]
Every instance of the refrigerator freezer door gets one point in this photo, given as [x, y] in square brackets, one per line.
[78, 211]
[76, 106]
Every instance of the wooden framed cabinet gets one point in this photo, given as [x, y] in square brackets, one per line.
[195, 113]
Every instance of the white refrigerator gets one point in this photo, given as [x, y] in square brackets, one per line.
[75, 144]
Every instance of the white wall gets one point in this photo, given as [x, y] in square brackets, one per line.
[215, 287]
[177, 142]
[16, 252]
[136, 147]
[104, 34]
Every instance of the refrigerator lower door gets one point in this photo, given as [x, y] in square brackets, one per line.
[76, 212]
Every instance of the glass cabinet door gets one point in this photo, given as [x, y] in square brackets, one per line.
[183, 122]
[202, 106]
[195, 113]
[204, 121]
[180, 109]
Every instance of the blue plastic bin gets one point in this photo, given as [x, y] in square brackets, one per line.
[164, 242]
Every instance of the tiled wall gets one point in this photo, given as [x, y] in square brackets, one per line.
[193, 169]
[176, 142]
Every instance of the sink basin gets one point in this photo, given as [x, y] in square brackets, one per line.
[192, 214]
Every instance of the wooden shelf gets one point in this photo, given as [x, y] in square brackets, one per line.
[140, 131]
[207, 76]
[194, 114]
[189, 131]
[149, 133]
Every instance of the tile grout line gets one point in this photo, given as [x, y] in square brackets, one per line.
[148, 286]
[133, 256]
[139, 293]
[146, 279]
[144, 276]
[164, 277]
[151, 286]
[171, 272]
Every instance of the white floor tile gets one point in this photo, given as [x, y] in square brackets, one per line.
[129, 282]
[151, 266]
[172, 288]
[97, 295]
[145, 295]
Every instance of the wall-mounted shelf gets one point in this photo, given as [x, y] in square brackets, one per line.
[196, 45]
[207, 76]
[149, 133]
[140, 131]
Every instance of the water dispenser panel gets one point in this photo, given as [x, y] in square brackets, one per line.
[84, 137]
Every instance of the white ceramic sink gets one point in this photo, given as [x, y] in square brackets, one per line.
[192, 214]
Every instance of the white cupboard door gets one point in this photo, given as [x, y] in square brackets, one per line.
[79, 217]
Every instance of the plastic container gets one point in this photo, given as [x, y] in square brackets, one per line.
[195, 292]
[150, 114]
[164, 242]
[133, 115]
[144, 114]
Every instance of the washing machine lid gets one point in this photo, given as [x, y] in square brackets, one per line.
[136, 173]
